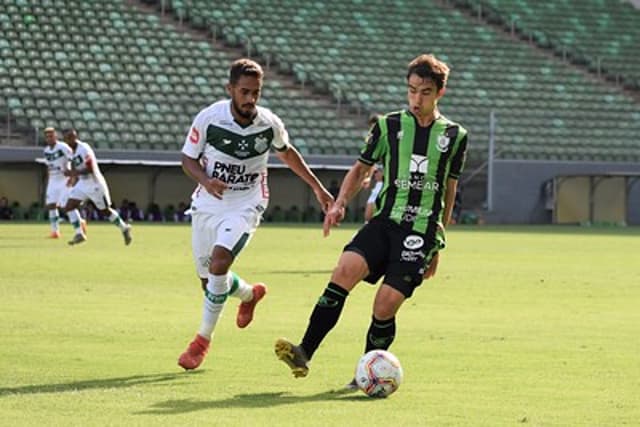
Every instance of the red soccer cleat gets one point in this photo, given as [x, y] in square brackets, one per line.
[54, 235]
[195, 353]
[245, 309]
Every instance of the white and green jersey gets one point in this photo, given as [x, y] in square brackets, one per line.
[234, 154]
[84, 159]
[57, 158]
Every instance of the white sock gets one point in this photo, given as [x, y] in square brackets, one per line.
[239, 288]
[54, 218]
[115, 219]
[74, 219]
[214, 298]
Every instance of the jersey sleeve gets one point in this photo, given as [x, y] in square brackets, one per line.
[90, 159]
[458, 159]
[280, 135]
[373, 149]
[194, 144]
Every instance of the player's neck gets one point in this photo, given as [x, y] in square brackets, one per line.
[426, 120]
[242, 120]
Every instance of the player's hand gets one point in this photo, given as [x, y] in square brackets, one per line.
[432, 268]
[325, 199]
[215, 187]
[332, 218]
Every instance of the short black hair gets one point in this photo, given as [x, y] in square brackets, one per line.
[429, 67]
[244, 67]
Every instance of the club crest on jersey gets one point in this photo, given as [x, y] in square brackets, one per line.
[418, 164]
[261, 144]
[399, 135]
[443, 143]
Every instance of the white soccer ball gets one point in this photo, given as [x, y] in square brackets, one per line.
[378, 373]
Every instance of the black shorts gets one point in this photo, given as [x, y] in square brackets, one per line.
[400, 255]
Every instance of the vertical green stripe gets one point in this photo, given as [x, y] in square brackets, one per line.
[434, 155]
[384, 139]
[405, 148]
[238, 247]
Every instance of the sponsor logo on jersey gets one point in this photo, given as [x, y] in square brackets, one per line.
[369, 138]
[411, 213]
[418, 164]
[413, 241]
[226, 141]
[418, 167]
[410, 184]
[443, 143]
[194, 136]
[411, 256]
[231, 173]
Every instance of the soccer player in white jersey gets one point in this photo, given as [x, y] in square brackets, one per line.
[91, 185]
[226, 153]
[57, 156]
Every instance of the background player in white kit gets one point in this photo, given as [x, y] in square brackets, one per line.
[226, 153]
[57, 156]
[91, 185]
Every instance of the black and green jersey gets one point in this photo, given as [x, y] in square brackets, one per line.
[417, 162]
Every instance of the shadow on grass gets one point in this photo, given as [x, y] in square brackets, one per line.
[121, 382]
[250, 400]
[307, 272]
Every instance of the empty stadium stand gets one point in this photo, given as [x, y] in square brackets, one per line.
[603, 35]
[127, 81]
[546, 108]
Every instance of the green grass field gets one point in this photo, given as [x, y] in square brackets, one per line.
[521, 326]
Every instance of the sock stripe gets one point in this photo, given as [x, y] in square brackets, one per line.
[336, 289]
[235, 283]
[216, 299]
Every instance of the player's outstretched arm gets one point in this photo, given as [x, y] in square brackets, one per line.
[292, 158]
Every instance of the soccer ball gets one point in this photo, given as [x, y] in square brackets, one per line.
[378, 373]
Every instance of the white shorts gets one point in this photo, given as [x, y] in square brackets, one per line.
[57, 192]
[90, 189]
[232, 230]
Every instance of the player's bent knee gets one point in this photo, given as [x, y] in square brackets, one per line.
[348, 275]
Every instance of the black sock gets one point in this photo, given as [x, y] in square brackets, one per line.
[380, 334]
[324, 317]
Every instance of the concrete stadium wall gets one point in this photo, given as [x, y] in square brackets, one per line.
[517, 192]
[26, 183]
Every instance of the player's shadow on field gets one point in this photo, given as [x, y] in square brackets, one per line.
[121, 382]
[250, 400]
[326, 272]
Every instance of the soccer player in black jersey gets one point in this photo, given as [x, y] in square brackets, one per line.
[422, 153]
